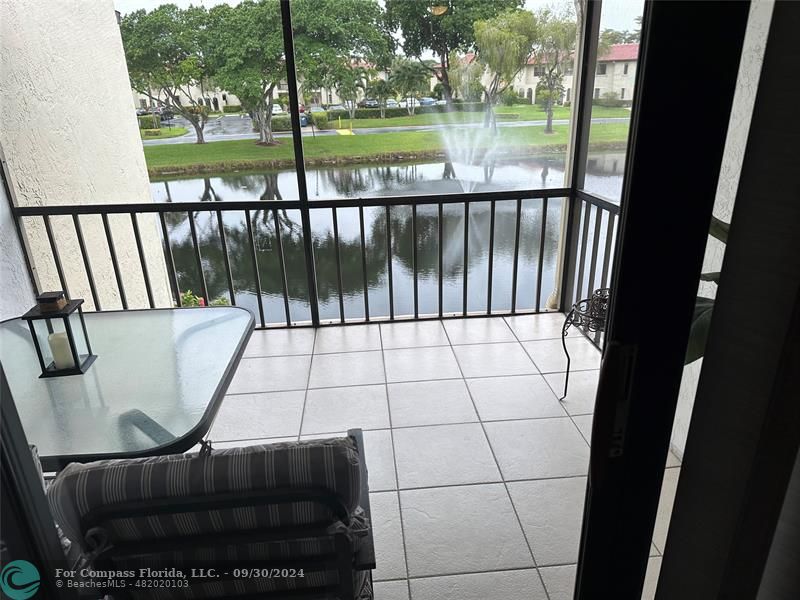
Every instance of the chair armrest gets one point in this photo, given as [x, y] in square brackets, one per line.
[365, 556]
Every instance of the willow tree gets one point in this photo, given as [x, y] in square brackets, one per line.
[554, 50]
[504, 45]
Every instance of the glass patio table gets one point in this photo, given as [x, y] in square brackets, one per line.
[159, 378]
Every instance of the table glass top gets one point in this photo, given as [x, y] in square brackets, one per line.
[171, 365]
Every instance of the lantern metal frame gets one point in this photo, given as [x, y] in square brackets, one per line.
[64, 314]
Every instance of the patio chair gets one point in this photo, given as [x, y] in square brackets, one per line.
[285, 507]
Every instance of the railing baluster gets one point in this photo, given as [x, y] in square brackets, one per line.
[582, 259]
[466, 259]
[282, 263]
[540, 268]
[142, 260]
[516, 258]
[441, 258]
[364, 262]
[389, 260]
[338, 263]
[197, 257]
[490, 274]
[56, 256]
[608, 250]
[173, 278]
[256, 275]
[223, 238]
[114, 262]
[598, 218]
[414, 258]
[86, 263]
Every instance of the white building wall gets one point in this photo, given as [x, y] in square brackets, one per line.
[17, 296]
[65, 145]
[614, 80]
[738, 130]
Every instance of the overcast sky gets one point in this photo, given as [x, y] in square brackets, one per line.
[617, 14]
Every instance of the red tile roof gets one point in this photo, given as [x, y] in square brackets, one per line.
[615, 53]
[621, 52]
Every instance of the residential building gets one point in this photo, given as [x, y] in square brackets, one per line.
[615, 73]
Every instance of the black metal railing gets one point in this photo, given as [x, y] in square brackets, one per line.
[594, 227]
[513, 219]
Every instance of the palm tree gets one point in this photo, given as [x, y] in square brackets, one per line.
[381, 90]
[349, 81]
[409, 78]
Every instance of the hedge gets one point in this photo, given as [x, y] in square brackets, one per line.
[149, 122]
[320, 120]
[375, 113]
[281, 123]
[232, 108]
[151, 132]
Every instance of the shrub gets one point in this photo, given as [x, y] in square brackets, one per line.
[281, 123]
[189, 298]
[508, 97]
[610, 99]
[232, 108]
[149, 122]
[151, 132]
[320, 120]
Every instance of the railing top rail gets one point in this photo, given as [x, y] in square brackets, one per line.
[167, 207]
[598, 201]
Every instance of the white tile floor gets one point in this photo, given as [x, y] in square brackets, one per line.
[477, 471]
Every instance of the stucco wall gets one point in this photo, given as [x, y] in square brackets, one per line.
[738, 129]
[17, 295]
[69, 135]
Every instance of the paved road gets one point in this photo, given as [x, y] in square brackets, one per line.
[233, 127]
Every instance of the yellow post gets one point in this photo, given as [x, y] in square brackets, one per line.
[340, 121]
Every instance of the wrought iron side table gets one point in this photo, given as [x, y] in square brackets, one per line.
[589, 313]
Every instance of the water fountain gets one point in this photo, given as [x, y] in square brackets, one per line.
[471, 154]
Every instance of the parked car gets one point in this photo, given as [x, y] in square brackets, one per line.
[277, 109]
[316, 109]
[392, 103]
[336, 108]
[426, 101]
[369, 103]
[406, 102]
[441, 102]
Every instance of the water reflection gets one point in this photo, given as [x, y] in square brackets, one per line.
[373, 180]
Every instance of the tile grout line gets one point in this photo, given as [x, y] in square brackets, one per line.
[564, 408]
[497, 462]
[308, 382]
[332, 387]
[314, 352]
[394, 462]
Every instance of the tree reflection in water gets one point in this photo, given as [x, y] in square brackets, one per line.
[363, 181]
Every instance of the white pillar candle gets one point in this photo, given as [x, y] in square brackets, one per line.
[59, 346]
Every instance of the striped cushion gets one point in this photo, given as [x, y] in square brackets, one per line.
[331, 465]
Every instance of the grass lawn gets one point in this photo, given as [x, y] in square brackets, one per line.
[244, 154]
[526, 112]
[164, 132]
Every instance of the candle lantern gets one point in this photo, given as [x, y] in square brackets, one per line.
[59, 335]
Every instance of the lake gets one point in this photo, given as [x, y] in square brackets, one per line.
[604, 177]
